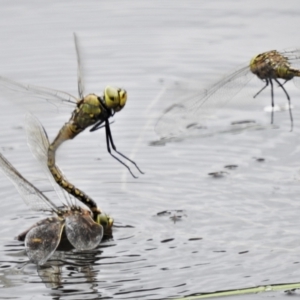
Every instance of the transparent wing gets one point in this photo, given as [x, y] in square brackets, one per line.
[82, 232]
[41, 241]
[38, 143]
[29, 193]
[57, 98]
[293, 56]
[80, 81]
[193, 106]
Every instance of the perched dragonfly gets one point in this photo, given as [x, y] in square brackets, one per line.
[43, 238]
[90, 110]
[194, 106]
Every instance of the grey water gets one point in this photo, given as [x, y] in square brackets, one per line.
[179, 231]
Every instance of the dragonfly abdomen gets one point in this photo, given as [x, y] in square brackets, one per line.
[89, 111]
[66, 185]
[295, 72]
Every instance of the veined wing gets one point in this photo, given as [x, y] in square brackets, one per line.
[41, 241]
[57, 98]
[194, 106]
[293, 56]
[30, 194]
[38, 144]
[80, 81]
[83, 232]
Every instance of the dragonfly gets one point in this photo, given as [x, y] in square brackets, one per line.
[43, 238]
[194, 106]
[90, 110]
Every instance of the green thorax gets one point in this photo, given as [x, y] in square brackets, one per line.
[272, 64]
[89, 111]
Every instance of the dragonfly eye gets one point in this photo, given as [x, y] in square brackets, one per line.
[122, 97]
[103, 220]
[110, 222]
[115, 98]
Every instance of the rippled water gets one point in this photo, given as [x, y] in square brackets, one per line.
[179, 231]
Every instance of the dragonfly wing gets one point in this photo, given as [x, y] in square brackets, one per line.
[41, 241]
[80, 82]
[38, 143]
[29, 193]
[193, 105]
[57, 98]
[293, 56]
[82, 232]
[37, 139]
[297, 82]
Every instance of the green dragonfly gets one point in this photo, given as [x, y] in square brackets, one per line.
[43, 238]
[193, 106]
[90, 110]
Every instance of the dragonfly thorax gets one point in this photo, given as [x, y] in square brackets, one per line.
[270, 65]
[89, 111]
[114, 98]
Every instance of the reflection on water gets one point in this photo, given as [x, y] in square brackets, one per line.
[216, 127]
[63, 270]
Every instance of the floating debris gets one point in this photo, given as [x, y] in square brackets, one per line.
[259, 159]
[219, 174]
[243, 122]
[231, 167]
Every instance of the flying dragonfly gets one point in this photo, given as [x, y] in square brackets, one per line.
[43, 238]
[38, 143]
[193, 107]
[90, 110]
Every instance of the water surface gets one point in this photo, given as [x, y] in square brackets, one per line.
[178, 230]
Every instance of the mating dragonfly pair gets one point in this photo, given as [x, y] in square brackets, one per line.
[84, 227]
[78, 225]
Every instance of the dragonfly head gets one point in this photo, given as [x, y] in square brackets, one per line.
[105, 220]
[115, 98]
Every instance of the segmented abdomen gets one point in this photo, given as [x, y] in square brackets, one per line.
[68, 131]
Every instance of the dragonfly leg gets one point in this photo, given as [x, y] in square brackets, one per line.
[109, 141]
[97, 126]
[282, 84]
[267, 83]
[272, 100]
[121, 154]
[109, 151]
[289, 101]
